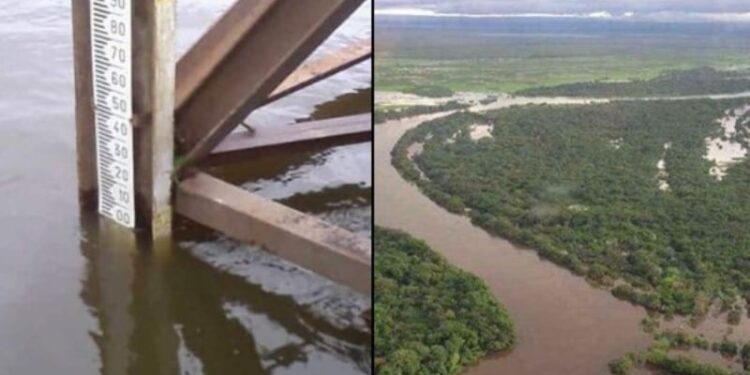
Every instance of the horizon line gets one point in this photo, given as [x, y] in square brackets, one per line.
[736, 17]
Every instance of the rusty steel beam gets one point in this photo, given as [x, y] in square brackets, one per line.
[341, 130]
[265, 53]
[200, 61]
[330, 251]
[205, 55]
[322, 68]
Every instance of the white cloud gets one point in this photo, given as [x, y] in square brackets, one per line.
[405, 12]
[697, 17]
[600, 14]
[581, 7]
[628, 14]
[726, 17]
[417, 12]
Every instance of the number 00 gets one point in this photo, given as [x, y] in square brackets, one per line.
[122, 216]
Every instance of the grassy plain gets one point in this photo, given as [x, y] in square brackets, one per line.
[496, 62]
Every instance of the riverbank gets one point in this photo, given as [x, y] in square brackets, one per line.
[558, 316]
[514, 278]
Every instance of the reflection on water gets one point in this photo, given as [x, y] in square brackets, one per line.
[80, 296]
[162, 310]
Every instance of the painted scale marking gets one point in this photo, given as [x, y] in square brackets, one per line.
[111, 43]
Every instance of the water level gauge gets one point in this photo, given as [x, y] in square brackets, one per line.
[111, 43]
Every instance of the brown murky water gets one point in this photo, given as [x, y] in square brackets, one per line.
[563, 325]
[80, 296]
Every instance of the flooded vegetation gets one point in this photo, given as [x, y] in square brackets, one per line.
[620, 121]
[698, 81]
[573, 164]
[81, 296]
[478, 131]
[730, 146]
[549, 306]
[662, 175]
[397, 111]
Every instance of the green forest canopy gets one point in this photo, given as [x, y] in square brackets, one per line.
[699, 81]
[385, 114]
[578, 183]
[478, 61]
[430, 317]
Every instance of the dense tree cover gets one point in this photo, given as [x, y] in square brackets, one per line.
[729, 349]
[578, 183]
[430, 317]
[430, 91]
[683, 340]
[383, 115]
[658, 356]
[650, 324]
[623, 365]
[683, 365]
[699, 81]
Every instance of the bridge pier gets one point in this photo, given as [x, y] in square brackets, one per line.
[153, 113]
[84, 104]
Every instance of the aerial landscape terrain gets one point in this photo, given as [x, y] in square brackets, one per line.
[561, 193]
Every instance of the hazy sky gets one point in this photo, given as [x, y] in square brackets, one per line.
[727, 10]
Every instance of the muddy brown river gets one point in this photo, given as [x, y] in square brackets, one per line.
[563, 325]
[79, 296]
